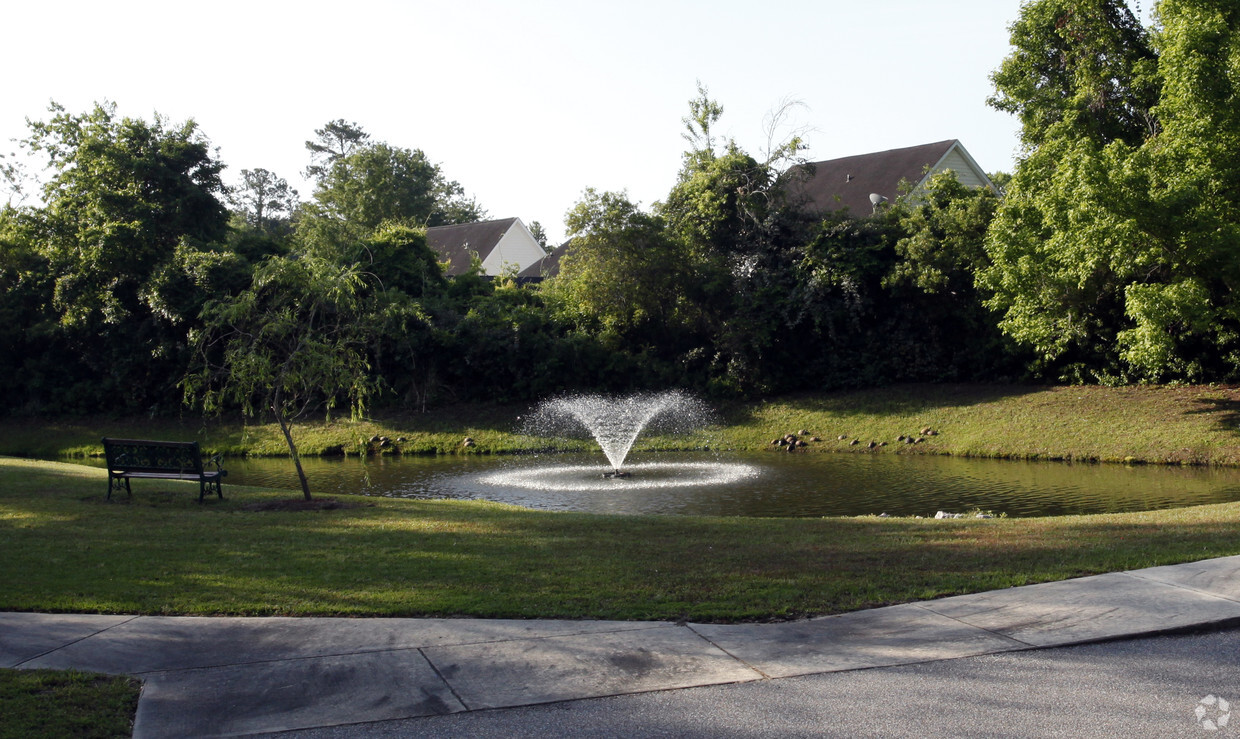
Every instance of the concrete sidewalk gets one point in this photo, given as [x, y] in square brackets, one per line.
[236, 676]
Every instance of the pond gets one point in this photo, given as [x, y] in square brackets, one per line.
[761, 484]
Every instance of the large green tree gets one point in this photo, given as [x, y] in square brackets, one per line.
[730, 210]
[1114, 250]
[1081, 79]
[625, 274]
[1185, 319]
[1084, 65]
[379, 183]
[124, 198]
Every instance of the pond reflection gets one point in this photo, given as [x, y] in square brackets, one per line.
[778, 485]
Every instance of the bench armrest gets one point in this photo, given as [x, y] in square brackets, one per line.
[216, 460]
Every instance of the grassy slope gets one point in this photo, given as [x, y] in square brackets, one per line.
[1173, 425]
[163, 553]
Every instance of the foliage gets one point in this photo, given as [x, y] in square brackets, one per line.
[334, 141]
[127, 200]
[1108, 257]
[625, 275]
[264, 198]
[380, 183]
[1086, 65]
[293, 342]
[1185, 318]
[1113, 250]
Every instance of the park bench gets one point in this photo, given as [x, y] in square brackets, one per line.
[160, 460]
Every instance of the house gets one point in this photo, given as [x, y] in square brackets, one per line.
[860, 183]
[548, 266]
[504, 244]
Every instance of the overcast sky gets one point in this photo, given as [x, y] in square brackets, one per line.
[527, 103]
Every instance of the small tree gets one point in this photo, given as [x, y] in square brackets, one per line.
[292, 343]
[264, 198]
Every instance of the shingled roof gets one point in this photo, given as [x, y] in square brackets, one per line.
[457, 244]
[848, 182]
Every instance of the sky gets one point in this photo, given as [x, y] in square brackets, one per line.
[525, 104]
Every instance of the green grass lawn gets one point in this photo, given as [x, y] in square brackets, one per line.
[65, 703]
[65, 549]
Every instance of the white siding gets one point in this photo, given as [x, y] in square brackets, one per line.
[516, 248]
[964, 169]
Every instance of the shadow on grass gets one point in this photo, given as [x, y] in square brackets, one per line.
[1223, 411]
[907, 399]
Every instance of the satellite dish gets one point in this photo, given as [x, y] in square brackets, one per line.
[876, 199]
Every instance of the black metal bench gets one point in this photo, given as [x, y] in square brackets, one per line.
[160, 460]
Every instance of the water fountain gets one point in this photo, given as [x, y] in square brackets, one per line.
[615, 423]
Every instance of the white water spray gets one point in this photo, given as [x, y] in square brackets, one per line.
[616, 422]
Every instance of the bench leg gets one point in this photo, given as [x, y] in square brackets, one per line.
[209, 485]
[114, 483]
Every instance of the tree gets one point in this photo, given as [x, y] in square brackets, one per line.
[13, 178]
[333, 142]
[1064, 242]
[1185, 320]
[945, 242]
[540, 234]
[294, 342]
[380, 183]
[1114, 249]
[939, 250]
[123, 196]
[731, 213]
[263, 198]
[1085, 65]
[624, 273]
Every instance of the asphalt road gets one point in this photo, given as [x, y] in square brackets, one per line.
[1168, 686]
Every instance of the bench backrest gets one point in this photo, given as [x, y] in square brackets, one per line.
[139, 455]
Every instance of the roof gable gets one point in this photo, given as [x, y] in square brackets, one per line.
[848, 182]
[458, 243]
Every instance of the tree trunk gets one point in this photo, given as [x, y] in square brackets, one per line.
[292, 449]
